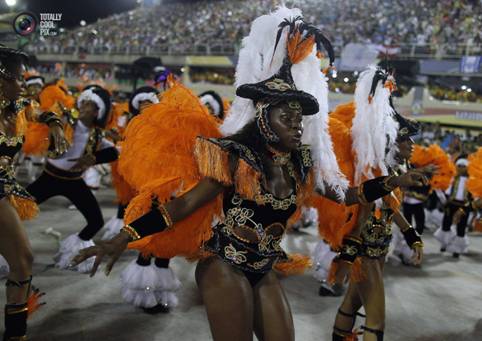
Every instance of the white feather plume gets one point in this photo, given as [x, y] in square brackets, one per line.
[256, 64]
[374, 127]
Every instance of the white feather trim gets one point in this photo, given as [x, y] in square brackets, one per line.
[90, 95]
[459, 245]
[112, 228]
[322, 259]
[144, 96]
[256, 64]
[69, 248]
[444, 237]
[372, 123]
[148, 286]
[209, 99]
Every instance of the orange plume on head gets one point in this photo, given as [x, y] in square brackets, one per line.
[299, 48]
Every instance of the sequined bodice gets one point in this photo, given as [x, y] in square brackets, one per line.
[249, 237]
[10, 146]
[377, 234]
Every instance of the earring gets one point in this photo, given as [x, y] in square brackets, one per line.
[264, 127]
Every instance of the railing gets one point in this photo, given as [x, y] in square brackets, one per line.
[439, 51]
[146, 50]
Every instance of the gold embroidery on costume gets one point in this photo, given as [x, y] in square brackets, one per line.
[236, 256]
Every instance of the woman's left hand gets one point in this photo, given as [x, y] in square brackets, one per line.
[57, 137]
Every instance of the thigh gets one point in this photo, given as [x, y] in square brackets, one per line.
[44, 188]
[228, 298]
[273, 320]
[83, 199]
[14, 243]
[372, 292]
[352, 301]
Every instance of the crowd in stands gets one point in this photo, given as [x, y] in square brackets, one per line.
[462, 95]
[206, 26]
[455, 142]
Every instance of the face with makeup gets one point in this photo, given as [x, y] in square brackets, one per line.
[11, 85]
[33, 90]
[286, 121]
[88, 112]
[405, 148]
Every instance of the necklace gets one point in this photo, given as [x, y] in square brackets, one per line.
[279, 158]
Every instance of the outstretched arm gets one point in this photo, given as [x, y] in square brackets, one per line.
[377, 188]
[152, 222]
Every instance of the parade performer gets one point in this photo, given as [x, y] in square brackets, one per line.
[15, 202]
[458, 205]
[63, 175]
[380, 142]
[258, 174]
[437, 166]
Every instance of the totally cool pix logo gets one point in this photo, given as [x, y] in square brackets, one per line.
[26, 23]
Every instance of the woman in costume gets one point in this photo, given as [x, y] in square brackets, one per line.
[365, 238]
[15, 202]
[260, 173]
[63, 174]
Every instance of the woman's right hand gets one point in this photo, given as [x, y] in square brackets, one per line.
[112, 248]
[412, 178]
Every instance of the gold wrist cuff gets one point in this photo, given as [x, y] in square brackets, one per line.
[165, 215]
[132, 232]
[417, 244]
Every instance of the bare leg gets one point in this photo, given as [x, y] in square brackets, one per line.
[228, 298]
[372, 293]
[272, 314]
[15, 247]
[350, 306]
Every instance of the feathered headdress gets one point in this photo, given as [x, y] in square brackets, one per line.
[374, 130]
[273, 39]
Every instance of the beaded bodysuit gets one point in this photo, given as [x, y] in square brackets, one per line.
[249, 236]
[9, 147]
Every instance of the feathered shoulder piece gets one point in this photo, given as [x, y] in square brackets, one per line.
[474, 183]
[434, 155]
[157, 162]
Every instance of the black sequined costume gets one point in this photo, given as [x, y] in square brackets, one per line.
[376, 234]
[9, 147]
[249, 236]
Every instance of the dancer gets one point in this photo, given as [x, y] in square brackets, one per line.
[15, 202]
[63, 175]
[458, 206]
[435, 163]
[262, 173]
[143, 272]
[368, 242]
